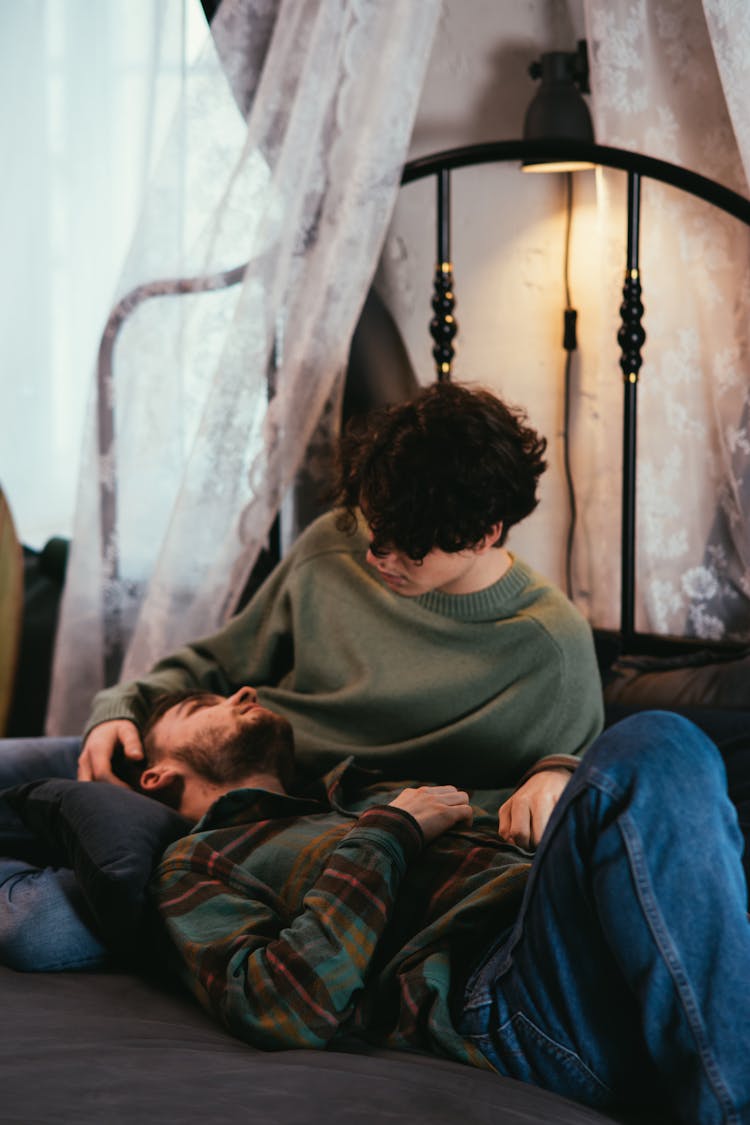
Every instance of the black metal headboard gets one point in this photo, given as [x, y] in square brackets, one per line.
[631, 335]
[443, 326]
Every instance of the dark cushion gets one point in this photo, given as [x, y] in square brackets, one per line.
[700, 678]
[111, 837]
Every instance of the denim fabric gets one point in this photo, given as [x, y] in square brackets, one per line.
[27, 759]
[44, 923]
[626, 976]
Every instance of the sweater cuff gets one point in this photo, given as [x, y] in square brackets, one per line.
[105, 714]
[551, 762]
[399, 826]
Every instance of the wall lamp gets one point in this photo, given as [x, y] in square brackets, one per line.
[558, 111]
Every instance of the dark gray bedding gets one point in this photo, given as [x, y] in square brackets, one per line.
[110, 1048]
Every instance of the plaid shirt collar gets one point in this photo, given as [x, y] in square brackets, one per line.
[329, 791]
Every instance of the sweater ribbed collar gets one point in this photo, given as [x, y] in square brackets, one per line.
[484, 605]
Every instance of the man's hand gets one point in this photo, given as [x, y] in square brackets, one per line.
[436, 808]
[95, 762]
[523, 817]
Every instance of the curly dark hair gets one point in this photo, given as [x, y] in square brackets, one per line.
[439, 471]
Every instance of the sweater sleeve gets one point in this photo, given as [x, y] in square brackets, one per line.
[579, 706]
[275, 981]
[255, 647]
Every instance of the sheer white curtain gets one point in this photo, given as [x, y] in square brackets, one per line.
[286, 155]
[671, 78]
[86, 90]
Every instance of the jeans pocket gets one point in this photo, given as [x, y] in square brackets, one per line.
[521, 1050]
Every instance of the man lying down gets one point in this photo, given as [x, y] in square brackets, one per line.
[610, 965]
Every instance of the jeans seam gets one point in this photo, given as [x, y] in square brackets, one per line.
[660, 934]
[562, 1053]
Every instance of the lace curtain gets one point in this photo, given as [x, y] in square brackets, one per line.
[86, 92]
[671, 78]
[270, 202]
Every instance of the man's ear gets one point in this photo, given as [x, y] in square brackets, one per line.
[160, 776]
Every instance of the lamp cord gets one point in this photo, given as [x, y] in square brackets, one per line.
[570, 343]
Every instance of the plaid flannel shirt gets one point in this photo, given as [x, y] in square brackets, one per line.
[298, 919]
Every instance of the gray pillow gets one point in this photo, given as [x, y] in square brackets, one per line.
[112, 837]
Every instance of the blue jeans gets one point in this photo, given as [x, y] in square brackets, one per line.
[627, 976]
[44, 922]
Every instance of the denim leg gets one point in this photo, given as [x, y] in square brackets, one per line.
[626, 977]
[44, 922]
[29, 759]
[26, 759]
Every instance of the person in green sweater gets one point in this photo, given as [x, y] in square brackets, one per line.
[400, 629]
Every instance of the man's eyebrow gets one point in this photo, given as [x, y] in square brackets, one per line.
[186, 706]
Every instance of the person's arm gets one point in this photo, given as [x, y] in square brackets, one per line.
[278, 981]
[253, 648]
[579, 701]
[579, 711]
[119, 712]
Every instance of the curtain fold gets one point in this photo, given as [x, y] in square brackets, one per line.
[86, 90]
[277, 183]
[671, 78]
[728, 25]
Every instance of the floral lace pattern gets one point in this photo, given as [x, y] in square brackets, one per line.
[670, 78]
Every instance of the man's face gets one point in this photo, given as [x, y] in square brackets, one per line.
[224, 738]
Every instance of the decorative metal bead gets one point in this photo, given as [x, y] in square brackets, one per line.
[632, 335]
[443, 326]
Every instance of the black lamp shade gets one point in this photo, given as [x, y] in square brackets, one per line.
[558, 111]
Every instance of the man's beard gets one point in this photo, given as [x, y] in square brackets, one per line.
[266, 746]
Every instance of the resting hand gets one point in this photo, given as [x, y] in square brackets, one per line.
[95, 762]
[436, 808]
[524, 816]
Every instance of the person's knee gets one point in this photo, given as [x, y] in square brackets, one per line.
[41, 924]
[660, 747]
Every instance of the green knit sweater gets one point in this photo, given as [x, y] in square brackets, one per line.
[473, 689]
